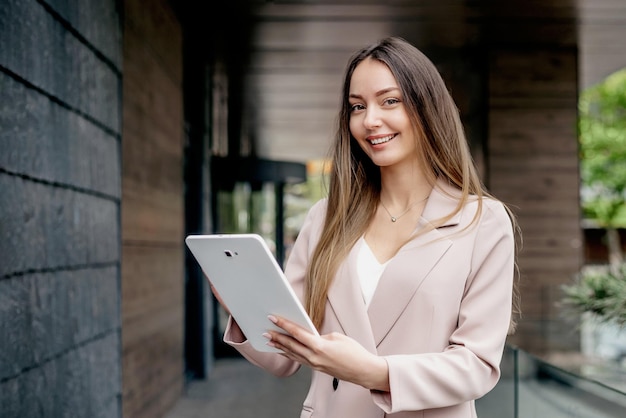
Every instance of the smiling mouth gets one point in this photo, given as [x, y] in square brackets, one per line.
[382, 140]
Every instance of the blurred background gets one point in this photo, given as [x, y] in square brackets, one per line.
[126, 125]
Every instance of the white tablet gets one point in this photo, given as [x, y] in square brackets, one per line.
[245, 273]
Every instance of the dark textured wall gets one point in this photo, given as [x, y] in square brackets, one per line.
[60, 177]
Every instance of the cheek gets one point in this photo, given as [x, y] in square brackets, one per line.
[399, 120]
[354, 128]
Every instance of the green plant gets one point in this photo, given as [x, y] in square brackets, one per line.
[601, 291]
[602, 135]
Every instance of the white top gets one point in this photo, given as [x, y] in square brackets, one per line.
[369, 270]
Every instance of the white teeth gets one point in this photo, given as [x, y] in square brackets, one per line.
[381, 140]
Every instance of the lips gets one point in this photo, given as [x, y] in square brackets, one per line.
[382, 140]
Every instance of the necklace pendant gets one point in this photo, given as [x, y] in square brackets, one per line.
[393, 219]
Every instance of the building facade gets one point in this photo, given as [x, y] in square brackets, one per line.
[111, 113]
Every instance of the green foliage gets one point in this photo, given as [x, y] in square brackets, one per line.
[601, 291]
[602, 126]
[300, 197]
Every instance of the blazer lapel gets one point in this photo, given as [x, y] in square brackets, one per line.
[346, 301]
[400, 280]
[412, 264]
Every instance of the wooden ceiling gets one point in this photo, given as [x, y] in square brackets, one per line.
[299, 50]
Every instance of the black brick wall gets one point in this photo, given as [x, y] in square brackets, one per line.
[60, 192]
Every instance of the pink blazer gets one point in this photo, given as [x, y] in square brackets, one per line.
[439, 316]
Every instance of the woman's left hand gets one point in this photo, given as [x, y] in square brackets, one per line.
[334, 354]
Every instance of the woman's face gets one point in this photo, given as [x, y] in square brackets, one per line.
[378, 118]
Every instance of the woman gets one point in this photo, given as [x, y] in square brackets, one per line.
[407, 267]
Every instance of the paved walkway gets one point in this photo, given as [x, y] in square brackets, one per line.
[236, 389]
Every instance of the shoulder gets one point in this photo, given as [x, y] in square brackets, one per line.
[319, 207]
[480, 212]
[447, 206]
[487, 219]
[317, 212]
[494, 211]
[314, 220]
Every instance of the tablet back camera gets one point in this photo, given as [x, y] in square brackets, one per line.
[230, 253]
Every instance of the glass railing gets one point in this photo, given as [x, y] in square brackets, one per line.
[536, 387]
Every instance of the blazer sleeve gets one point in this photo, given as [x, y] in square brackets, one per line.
[295, 271]
[469, 366]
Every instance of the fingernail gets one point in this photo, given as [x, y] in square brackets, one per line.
[272, 318]
[267, 335]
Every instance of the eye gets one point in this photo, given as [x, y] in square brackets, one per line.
[356, 107]
[391, 101]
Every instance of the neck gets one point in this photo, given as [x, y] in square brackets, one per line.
[400, 189]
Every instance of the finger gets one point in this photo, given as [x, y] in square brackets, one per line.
[274, 343]
[283, 340]
[293, 329]
[287, 352]
[292, 348]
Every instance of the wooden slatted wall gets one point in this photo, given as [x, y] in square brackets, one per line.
[152, 210]
[533, 166]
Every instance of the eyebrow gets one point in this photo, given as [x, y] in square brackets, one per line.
[378, 93]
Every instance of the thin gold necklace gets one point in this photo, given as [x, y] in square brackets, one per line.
[395, 218]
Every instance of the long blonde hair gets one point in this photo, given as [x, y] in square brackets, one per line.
[354, 187]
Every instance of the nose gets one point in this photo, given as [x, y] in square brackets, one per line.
[372, 118]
